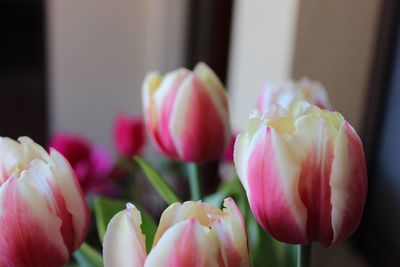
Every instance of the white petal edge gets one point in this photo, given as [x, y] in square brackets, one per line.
[124, 243]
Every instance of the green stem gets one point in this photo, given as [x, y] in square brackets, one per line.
[304, 255]
[194, 181]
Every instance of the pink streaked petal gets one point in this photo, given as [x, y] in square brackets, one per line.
[348, 182]
[178, 212]
[124, 243]
[231, 232]
[315, 192]
[196, 125]
[75, 201]
[273, 195]
[213, 86]
[228, 254]
[165, 99]
[42, 179]
[35, 240]
[314, 146]
[186, 244]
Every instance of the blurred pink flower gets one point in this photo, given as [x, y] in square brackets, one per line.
[129, 134]
[92, 164]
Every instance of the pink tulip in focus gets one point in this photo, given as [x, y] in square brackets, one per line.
[286, 92]
[43, 214]
[304, 173]
[192, 234]
[186, 113]
[92, 164]
[129, 135]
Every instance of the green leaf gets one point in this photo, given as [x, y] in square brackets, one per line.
[162, 187]
[149, 228]
[106, 208]
[87, 256]
[231, 187]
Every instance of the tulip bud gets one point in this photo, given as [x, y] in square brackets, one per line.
[43, 214]
[129, 136]
[286, 92]
[304, 173]
[192, 234]
[186, 113]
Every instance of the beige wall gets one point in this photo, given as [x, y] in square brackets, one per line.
[331, 41]
[99, 52]
[261, 49]
[335, 44]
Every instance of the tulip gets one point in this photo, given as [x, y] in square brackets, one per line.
[192, 234]
[286, 92]
[43, 214]
[186, 114]
[91, 164]
[304, 173]
[129, 136]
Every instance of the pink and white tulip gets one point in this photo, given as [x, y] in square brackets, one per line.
[304, 173]
[43, 214]
[186, 113]
[286, 92]
[192, 234]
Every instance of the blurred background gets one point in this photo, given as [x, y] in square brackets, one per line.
[73, 65]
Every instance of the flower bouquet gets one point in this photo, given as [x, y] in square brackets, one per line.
[295, 175]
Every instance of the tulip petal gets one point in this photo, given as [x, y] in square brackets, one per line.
[124, 243]
[272, 177]
[348, 182]
[75, 201]
[64, 179]
[186, 244]
[160, 97]
[178, 212]
[16, 159]
[197, 126]
[315, 153]
[42, 179]
[231, 232]
[214, 88]
[27, 223]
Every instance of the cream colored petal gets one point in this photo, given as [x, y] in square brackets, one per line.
[150, 85]
[124, 243]
[231, 232]
[61, 176]
[180, 212]
[72, 193]
[14, 158]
